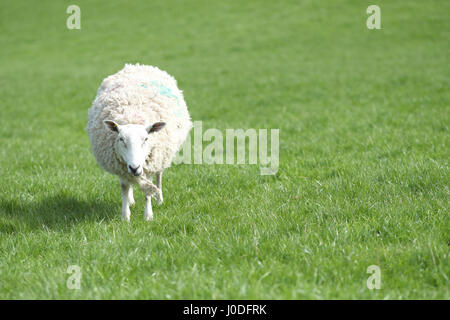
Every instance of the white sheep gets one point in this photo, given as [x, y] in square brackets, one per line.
[137, 123]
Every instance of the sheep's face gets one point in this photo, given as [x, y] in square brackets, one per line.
[132, 142]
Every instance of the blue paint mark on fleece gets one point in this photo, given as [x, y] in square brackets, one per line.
[165, 91]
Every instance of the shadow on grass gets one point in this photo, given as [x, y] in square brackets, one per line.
[57, 212]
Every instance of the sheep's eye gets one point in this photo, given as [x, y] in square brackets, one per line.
[145, 140]
[121, 140]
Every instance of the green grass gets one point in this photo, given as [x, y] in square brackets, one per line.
[364, 148]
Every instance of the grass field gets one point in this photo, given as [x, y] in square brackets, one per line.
[364, 148]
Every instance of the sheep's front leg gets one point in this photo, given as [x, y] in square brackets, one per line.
[130, 195]
[148, 208]
[125, 187]
[149, 189]
[159, 184]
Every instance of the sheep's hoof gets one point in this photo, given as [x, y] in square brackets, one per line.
[158, 196]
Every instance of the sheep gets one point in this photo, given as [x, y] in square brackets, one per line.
[136, 125]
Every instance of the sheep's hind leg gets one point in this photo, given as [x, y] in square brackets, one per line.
[148, 208]
[159, 184]
[125, 187]
[149, 189]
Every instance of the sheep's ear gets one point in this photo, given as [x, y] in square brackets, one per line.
[111, 125]
[155, 127]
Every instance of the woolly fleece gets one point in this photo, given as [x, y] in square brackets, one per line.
[138, 94]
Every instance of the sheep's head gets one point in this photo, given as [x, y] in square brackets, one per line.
[132, 141]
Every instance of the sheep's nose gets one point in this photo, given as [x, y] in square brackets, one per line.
[133, 170]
